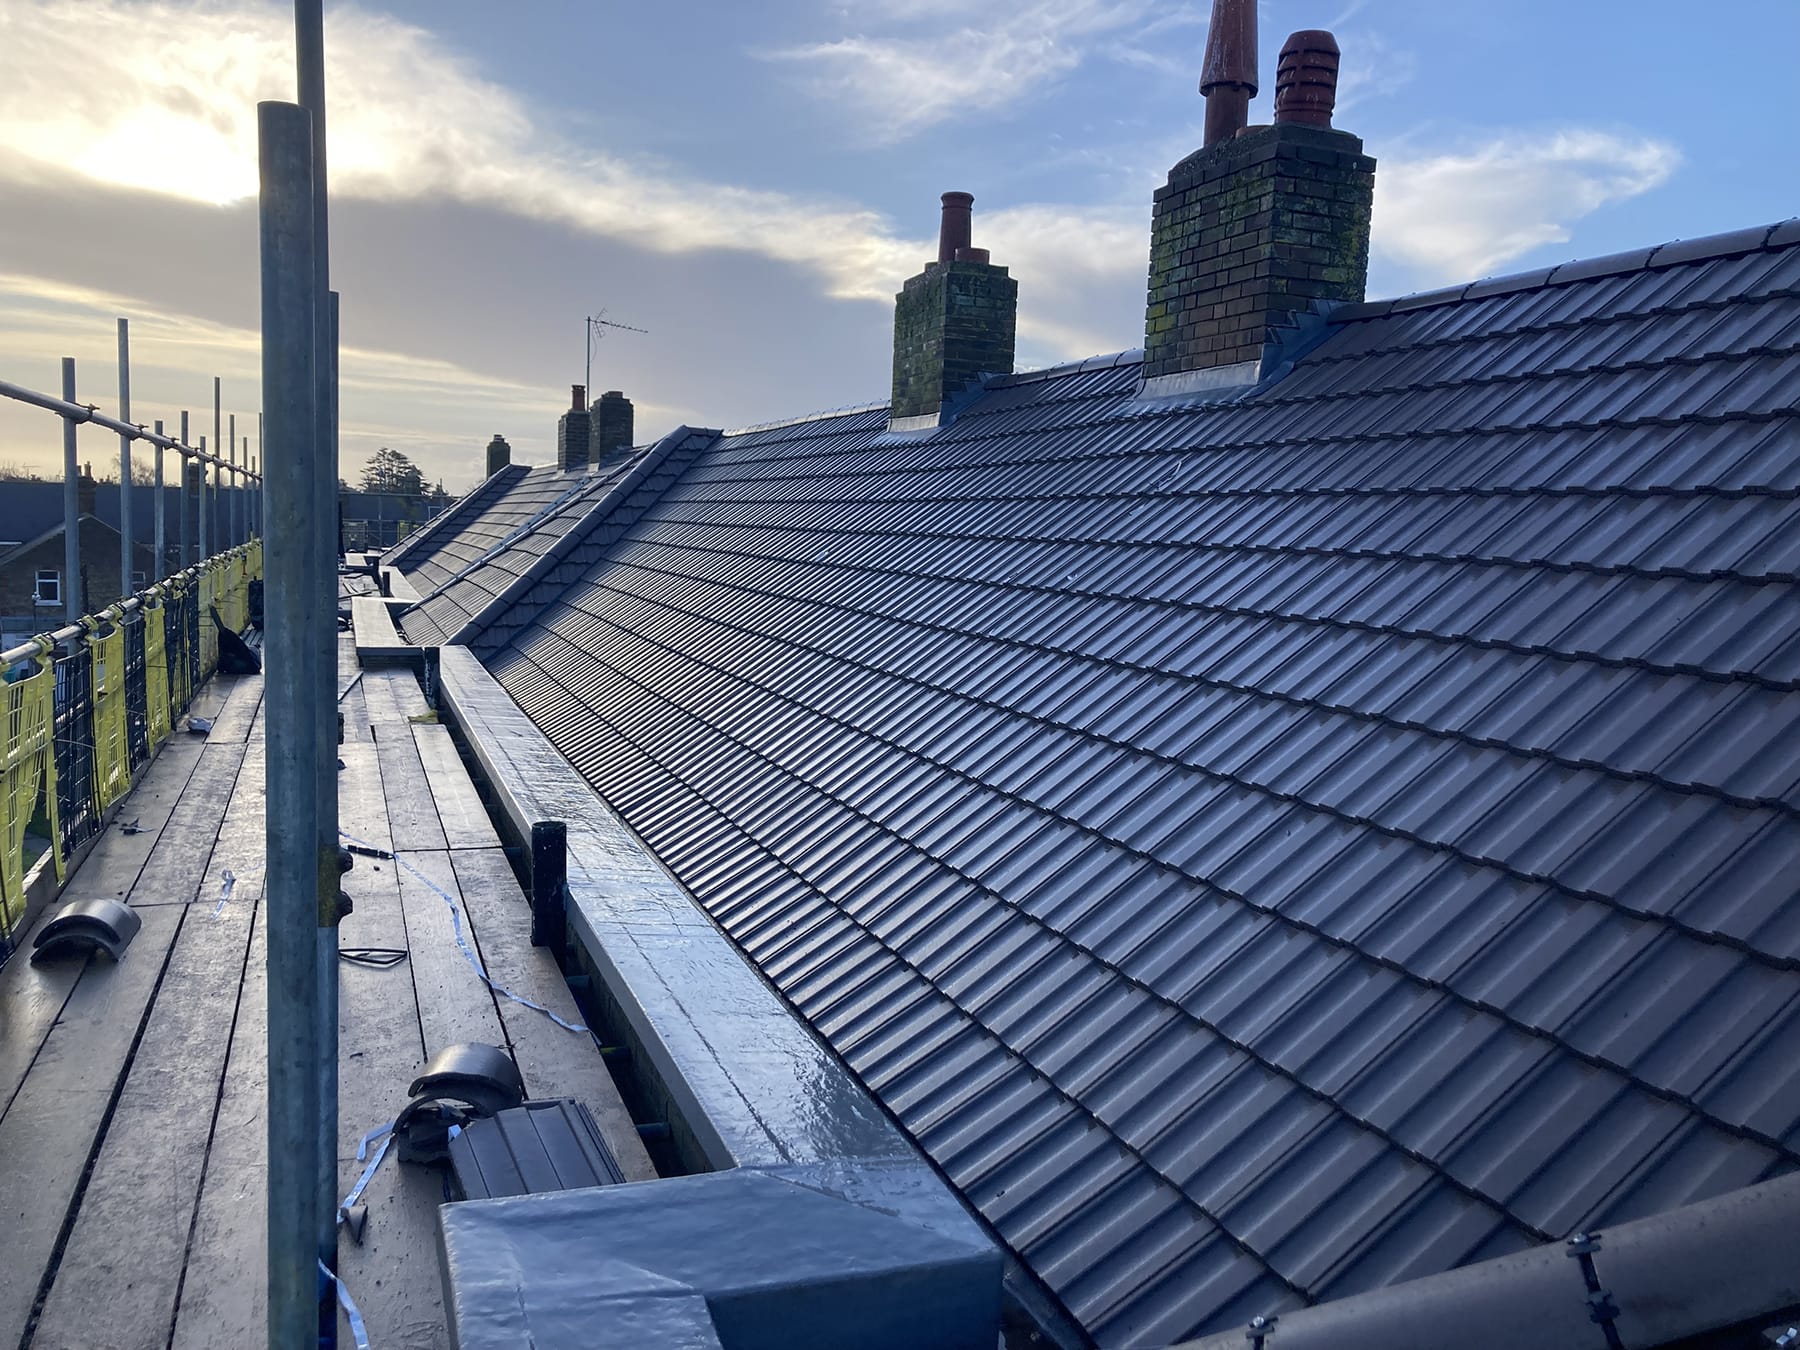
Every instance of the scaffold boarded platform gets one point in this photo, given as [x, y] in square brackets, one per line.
[134, 1095]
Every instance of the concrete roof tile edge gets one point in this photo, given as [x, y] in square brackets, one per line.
[1730, 244]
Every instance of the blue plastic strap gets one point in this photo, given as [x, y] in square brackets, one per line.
[225, 892]
[358, 1332]
[362, 1146]
[462, 943]
[362, 1182]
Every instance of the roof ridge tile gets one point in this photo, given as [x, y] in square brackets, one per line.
[1699, 249]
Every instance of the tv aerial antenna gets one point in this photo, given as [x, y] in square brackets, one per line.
[596, 326]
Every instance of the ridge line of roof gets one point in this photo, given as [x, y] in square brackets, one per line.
[1702, 248]
[481, 493]
[1756, 238]
[823, 415]
[609, 502]
[1131, 356]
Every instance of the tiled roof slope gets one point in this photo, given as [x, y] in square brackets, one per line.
[1271, 849]
[494, 518]
[419, 546]
[469, 569]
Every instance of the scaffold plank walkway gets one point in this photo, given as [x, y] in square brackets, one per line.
[134, 1095]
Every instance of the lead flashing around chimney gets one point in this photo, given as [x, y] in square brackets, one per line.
[912, 426]
[949, 410]
[1187, 384]
[1285, 345]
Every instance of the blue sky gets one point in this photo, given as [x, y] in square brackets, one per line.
[752, 182]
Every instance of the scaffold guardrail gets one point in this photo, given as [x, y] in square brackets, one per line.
[88, 705]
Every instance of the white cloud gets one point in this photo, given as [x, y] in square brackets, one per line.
[407, 118]
[389, 398]
[1372, 67]
[1456, 216]
[898, 83]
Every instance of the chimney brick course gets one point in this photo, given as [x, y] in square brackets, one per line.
[499, 454]
[953, 323]
[1248, 233]
[614, 426]
[574, 432]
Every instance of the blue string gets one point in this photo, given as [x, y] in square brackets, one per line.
[358, 1331]
[468, 951]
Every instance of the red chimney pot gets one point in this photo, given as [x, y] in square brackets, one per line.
[577, 398]
[1228, 75]
[1306, 78]
[953, 230]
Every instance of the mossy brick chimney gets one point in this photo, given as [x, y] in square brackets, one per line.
[573, 431]
[499, 454]
[953, 323]
[613, 419]
[1262, 225]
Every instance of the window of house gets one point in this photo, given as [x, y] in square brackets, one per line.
[137, 580]
[48, 590]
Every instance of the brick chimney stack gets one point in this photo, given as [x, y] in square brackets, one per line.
[1260, 227]
[87, 491]
[499, 454]
[613, 422]
[953, 323]
[574, 431]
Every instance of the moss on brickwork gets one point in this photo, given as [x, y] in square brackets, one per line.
[1249, 233]
[953, 323]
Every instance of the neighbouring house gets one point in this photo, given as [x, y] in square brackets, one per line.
[33, 589]
[1278, 816]
[378, 520]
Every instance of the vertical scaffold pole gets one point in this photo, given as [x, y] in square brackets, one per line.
[309, 46]
[125, 549]
[71, 586]
[186, 536]
[301, 889]
[159, 565]
[233, 536]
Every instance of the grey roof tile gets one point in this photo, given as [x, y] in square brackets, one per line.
[1264, 849]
